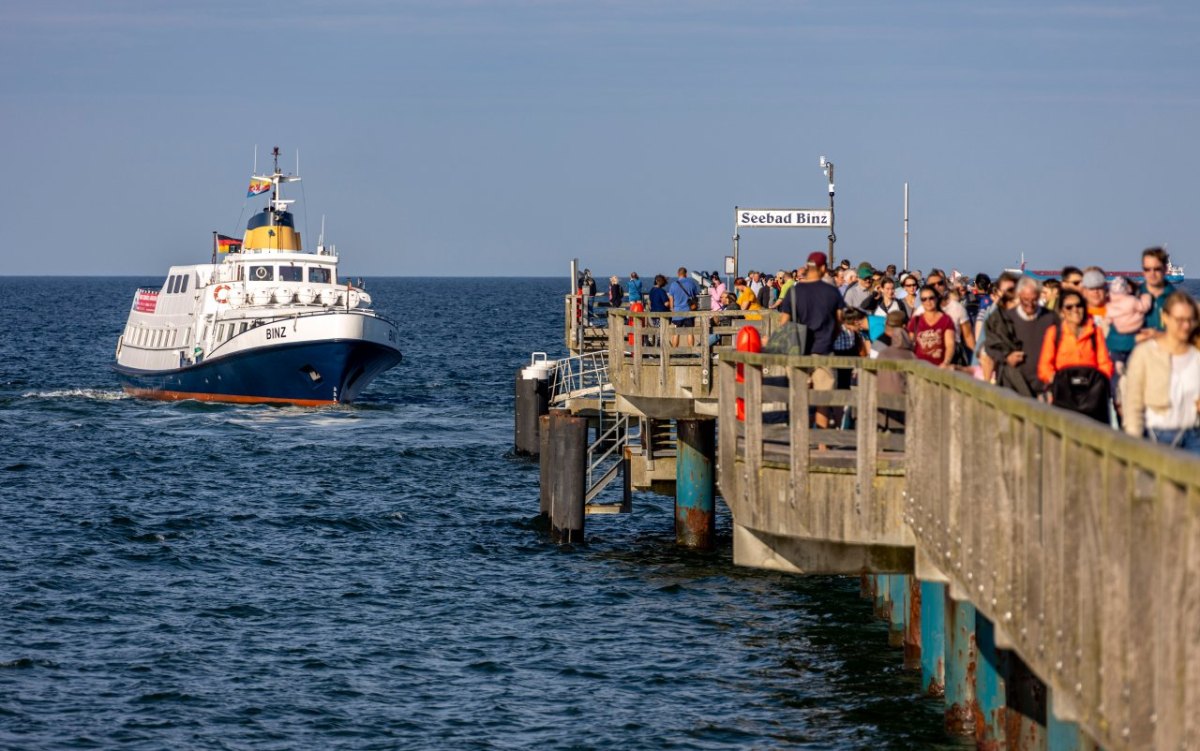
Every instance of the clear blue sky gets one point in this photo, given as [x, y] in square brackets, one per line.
[503, 138]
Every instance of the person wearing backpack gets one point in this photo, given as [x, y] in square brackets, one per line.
[684, 294]
[1074, 361]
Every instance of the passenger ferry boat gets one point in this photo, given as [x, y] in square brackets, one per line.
[1175, 274]
[269, 323]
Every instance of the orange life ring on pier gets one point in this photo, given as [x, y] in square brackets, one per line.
[221, 299]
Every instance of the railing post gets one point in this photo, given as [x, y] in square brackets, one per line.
[727, 425]
[754, 428]
[867, 429]
[798, 431]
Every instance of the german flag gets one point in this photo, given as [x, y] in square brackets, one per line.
[227, 244]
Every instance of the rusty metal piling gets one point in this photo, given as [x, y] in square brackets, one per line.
[695, 486]
[933, 638]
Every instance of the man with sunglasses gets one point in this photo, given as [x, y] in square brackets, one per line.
[1154, 272]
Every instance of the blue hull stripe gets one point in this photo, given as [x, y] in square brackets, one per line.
[331, 371]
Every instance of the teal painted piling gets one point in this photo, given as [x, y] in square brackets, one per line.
[990, 699]
[959, 666]
[882, 587]
[695, 485]
[898, 614]
[1061, 735]
[933, 638]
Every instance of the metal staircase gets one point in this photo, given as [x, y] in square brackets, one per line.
[581, 383]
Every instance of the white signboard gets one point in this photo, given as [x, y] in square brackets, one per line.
[729, 267]
[783, 218]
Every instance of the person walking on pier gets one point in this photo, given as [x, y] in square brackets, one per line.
[1162, 382]
[616, 293]
[932, 330]
[633, 288]
[684, 295]
[1154, 271]
[1016, 358]
[716, 292]
[818, 306]
[1074, 363]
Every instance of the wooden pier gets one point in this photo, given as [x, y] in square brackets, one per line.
[1038, 567]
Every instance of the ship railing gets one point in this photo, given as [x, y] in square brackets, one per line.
[276, 314]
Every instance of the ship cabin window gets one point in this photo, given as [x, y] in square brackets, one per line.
[262, 273]
[318, 275]
[176, 283]
[242, 328]
[184, 278]
[291, 273]
[169, 287]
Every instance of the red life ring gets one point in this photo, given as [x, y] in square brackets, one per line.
[217, 294]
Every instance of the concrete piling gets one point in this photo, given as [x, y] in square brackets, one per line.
[695, 485]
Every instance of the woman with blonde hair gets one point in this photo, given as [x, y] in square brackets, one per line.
[1161, 391]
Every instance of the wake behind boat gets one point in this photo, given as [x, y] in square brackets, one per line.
[268, 324]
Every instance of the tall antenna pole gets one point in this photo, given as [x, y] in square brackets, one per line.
[736, 237]
[255, 159]
[905, 267]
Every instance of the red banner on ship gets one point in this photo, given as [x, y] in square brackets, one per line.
[146, 301]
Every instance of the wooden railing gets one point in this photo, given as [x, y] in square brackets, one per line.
[650, 356]
[1081, 544]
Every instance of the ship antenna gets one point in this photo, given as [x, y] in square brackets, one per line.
[255, 171]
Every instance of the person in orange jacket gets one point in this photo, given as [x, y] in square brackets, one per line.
[1080, 345]
[1075, 344]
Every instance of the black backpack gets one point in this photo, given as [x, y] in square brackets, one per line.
[1080, 389]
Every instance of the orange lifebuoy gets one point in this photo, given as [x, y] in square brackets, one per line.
[217, 294]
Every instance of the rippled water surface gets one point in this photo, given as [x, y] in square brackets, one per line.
[208, 576]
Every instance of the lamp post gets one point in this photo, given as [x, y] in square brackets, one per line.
[827, 168]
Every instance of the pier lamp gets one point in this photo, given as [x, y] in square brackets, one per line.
[827, 168]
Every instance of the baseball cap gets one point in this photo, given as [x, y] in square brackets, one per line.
[1093, 280]
[817, 258]
[865, 272]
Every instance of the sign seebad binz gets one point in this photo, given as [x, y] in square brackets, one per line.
[783, 218]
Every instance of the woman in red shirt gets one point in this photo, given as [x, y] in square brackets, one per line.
[932, 331]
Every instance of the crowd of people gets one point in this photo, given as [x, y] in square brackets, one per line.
[1121, 352]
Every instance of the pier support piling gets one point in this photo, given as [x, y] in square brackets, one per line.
[933, 638]
[567, 464]
[960, 666]
[991, 669]
[532, 401]
[695, 485]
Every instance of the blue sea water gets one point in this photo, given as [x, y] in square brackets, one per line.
[187, 575]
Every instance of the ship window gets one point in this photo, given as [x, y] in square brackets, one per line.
[242, 328]
[318, 276]
[221, 333]
[178, 281]
[291, 273]
[183, 287]
[262, 273]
